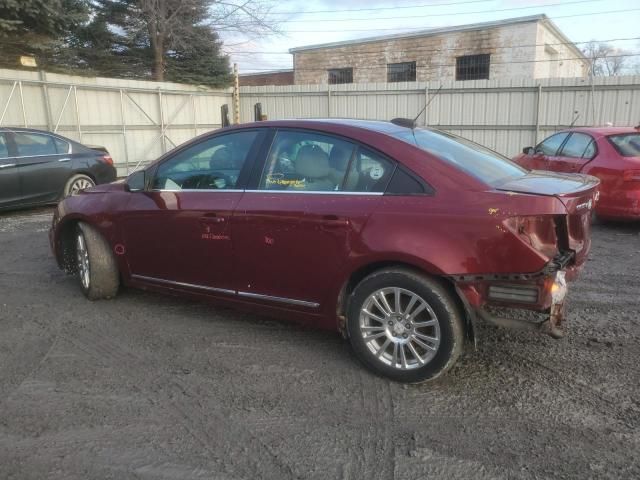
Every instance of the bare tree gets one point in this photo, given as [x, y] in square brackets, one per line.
[169, 23]
[605, 60]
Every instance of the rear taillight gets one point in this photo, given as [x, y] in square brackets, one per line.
[631, 175]
[107, 159]
[537, 231]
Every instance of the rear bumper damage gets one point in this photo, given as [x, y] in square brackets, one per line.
[543, 294]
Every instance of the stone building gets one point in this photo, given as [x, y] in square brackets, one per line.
[530, 47]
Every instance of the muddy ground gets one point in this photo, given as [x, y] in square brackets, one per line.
[153, 387]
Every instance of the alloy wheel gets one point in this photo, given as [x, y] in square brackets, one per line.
[80, 184]
[400, 328]
[84, 269]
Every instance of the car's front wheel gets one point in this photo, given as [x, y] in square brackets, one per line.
[77, 183]
[95, 264]
[404, 325]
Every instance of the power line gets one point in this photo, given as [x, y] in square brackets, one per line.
[430, 49]
[448, 14]
[410, 29]
[377, 66]
[305, 12]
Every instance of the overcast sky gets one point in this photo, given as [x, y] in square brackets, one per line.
[340, 21]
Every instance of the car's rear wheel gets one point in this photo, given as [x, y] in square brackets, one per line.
[95, 264]
[404, 325]
[77, 183]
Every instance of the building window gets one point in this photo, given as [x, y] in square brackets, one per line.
[401, 72]
[340, 75]
[473, 67]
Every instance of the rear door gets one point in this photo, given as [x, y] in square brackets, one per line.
[177, 233]
[576, 151]
[9, 178]
[44, 163]
[294, 232]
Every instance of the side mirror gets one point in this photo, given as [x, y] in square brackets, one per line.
[135, 182]
[529, 150]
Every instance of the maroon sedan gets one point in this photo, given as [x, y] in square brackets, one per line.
[400, 238]
[610, 153]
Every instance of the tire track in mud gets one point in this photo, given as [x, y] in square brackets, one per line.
[258, 459]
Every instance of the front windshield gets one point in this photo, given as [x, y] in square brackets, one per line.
[484, 164]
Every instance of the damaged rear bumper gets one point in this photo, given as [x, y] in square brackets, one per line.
[544, 293]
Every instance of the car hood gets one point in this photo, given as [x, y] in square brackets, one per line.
[117, 186]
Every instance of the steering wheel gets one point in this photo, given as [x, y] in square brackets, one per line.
[214, 180]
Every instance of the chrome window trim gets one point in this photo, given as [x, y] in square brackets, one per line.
[258, 296]
[217, 190]
[317, 192]
[291, 301]
[182, 284]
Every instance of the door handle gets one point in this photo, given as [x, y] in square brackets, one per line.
[212, 218]
[8, 165]
[64, 160]
[333, 221]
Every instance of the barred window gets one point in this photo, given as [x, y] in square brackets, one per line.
[401, 72]
[473, 67]
[340, 75]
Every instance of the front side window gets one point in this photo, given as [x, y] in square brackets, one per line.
[35, 144]
[627, 144]
[401, 72]
[576, 146]
[473, 67]
[311, 162]
[212, 164]
[4, 148]
[551, 145]
[340, 75]
[478, 161]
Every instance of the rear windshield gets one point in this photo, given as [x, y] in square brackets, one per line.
[484, 164]
[627, 144]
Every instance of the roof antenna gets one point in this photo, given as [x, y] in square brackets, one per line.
[575, 119]
[409, 123]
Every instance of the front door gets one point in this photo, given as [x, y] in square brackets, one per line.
[9, 178]
[178, 232]
[576, 152]
[294, 233]
[44, 163]
[545, 157]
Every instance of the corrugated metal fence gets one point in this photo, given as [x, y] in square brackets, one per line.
[136, 120]
[505, 115]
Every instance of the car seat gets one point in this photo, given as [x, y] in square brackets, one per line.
[312, 163]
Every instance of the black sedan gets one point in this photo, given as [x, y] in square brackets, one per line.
[38, 167]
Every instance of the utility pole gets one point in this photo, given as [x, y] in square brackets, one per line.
[236, 95]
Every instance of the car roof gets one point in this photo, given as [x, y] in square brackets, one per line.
[329, 124]
[603, 131]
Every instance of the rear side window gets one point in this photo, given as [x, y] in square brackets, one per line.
[403, 183]
[34, 144]
[311, 162]
[576, 146]
[628, 144]
[484, 164]
[551, 145]
[61, 145]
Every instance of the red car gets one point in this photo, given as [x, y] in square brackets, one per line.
[401, 238]
[610, 153]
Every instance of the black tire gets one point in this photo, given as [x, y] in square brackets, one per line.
[449, 326]
[103, 278]
[76, 182]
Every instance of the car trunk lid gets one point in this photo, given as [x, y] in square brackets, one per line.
[577, 192]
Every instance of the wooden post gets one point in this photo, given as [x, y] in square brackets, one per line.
[236, 95]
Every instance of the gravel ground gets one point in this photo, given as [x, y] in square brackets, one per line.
[154, 387]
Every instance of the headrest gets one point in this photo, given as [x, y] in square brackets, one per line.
[339, 157]
[312, 162]
[221, 159]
